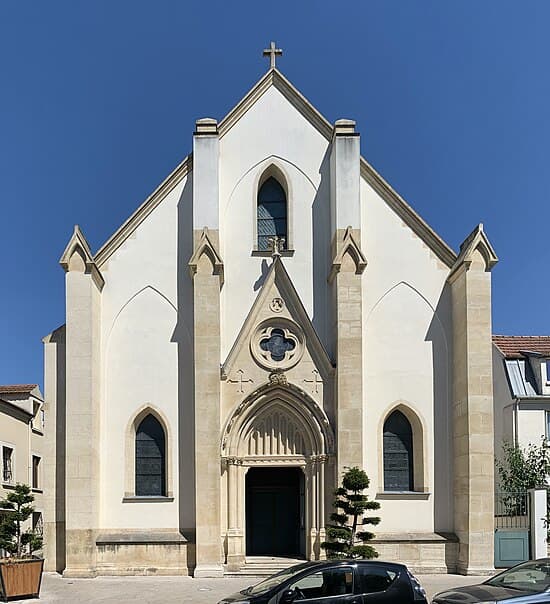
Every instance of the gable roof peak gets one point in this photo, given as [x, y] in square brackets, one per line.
[274, 78]
[278, 277]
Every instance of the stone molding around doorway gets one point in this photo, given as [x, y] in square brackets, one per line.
[276, 460]
[293, 403]
[278, 425]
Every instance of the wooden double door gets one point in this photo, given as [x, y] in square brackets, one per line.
[275, 512]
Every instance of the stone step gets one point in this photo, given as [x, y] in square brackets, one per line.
[262, 566]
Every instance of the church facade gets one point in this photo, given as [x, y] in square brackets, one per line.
[272, 314]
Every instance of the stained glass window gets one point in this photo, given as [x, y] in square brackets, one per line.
[398, 453]
[277, 344]
[272, 213]
[150, 458]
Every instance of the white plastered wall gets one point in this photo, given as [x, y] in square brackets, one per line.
[531, 426]
[406, 323]
[273, 131]
[140, 357]
[15, 434]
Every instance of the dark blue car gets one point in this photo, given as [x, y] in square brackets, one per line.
[336, 582]
[526, 583]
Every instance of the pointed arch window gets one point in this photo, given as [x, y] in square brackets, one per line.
[150, 458]
[271, 213]
[398, 453]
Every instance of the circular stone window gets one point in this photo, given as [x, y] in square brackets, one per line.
[277, 344]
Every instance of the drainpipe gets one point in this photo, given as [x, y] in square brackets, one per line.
[516, 407]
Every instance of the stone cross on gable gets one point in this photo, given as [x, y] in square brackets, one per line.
[277, 245]
[272, 52]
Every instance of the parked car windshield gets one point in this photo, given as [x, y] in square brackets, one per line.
[275, 580]
[531, 576]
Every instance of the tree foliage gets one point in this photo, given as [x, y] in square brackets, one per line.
[344, 540]
[522, 469]
[16, 510]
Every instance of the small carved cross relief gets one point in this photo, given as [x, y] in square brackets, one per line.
[240, 380]
[315, 381]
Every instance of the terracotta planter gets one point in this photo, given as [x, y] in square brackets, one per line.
[20, 578]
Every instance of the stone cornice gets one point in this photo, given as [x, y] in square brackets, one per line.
[419, 226]
[126, 229]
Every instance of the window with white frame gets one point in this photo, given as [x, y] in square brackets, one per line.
[8, 465]
[37, 422]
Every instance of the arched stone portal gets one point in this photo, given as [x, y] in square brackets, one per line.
[276, 427]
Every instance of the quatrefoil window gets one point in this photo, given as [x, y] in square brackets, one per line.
[277, 345]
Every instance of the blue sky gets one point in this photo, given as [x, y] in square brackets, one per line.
[98, 102]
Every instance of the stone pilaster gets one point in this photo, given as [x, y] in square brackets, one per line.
[470, 282]
[235, 534]
[54, 451]
[83, 291]
[207, 271]
[347, 267]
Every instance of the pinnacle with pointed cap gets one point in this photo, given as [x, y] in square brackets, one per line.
[272, 52]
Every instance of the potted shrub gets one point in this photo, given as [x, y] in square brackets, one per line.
[20, 570]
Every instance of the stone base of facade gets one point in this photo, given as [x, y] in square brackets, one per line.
[423, 553]
[143, 553]
[77, 572]
[54, 546]
[235, 562]
[208, 571]
[80, 553]
[475, 571]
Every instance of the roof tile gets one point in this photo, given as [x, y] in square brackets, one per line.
[512, 347]
[17, 388]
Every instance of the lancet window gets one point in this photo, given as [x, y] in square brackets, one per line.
[150, 458]
[272, 213]
[398, 453]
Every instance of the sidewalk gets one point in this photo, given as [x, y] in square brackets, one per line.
[169, 590]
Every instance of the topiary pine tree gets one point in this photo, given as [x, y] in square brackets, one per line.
[16, 511]
[351, 506]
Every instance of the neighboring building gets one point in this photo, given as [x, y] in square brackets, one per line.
[22, 442]
[273, 313]
[521, 384]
